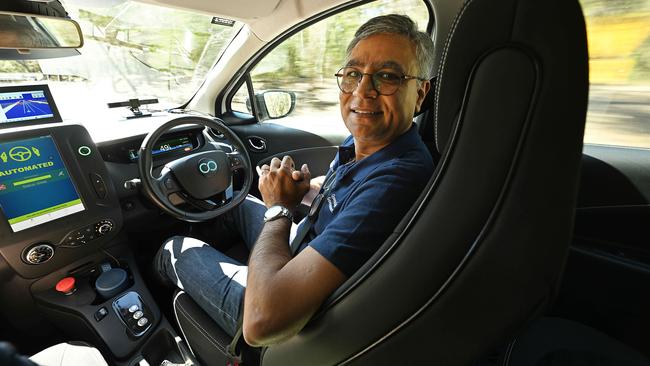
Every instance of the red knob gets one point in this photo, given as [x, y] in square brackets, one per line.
[66, 285]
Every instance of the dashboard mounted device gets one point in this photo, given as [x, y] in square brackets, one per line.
[35, 185]
[57, 203]
[27, 105]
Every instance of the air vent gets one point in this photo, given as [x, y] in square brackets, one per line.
[39, 253]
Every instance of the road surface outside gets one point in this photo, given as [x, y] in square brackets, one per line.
[619, 115]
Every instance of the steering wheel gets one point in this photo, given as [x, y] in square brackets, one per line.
[197, 178]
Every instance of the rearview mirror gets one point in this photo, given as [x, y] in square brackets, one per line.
[24, 32]
[273, 104]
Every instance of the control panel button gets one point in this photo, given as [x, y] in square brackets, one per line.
[88, 233]
[101, 313]
[98, 185]
[135, 315]
[170, 184]
[38, 254]
[84, 150]
[103, 227]
[66, 286]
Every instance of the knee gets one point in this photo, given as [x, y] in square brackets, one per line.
[163, 258]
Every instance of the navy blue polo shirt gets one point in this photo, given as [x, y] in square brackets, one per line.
[368, 199]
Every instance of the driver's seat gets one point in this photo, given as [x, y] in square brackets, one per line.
[207, 341]
[481, 253]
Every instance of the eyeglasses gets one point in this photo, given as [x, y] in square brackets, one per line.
[384, 82]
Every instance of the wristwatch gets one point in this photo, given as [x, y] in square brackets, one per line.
[277, 211]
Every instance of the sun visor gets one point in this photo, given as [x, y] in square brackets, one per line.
[241, 9]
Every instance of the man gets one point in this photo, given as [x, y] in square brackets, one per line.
[376, 176]
[16, 32]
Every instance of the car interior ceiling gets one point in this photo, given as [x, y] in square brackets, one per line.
[602, 288]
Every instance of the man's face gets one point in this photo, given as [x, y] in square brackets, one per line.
[10, 39]
[376, 119]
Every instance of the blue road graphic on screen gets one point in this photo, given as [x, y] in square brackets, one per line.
[22, 106]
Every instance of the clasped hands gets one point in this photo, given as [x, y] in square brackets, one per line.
[281, 184]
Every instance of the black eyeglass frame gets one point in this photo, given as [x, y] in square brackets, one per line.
[402, 78]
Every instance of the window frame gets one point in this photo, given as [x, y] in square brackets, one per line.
[243, 74]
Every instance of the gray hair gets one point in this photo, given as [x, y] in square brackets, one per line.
[402, 25]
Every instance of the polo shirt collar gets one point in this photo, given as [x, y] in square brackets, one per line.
[362, 168]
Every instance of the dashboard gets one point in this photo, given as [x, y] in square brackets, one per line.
[62, 196]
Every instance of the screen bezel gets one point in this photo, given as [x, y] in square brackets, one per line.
[50, 100]
[73, 181]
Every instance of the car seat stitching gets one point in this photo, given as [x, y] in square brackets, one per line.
[201, 329]
[511, 346]
[441, 70]
[179, 322]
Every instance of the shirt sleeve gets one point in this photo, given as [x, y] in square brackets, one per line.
[369, 215]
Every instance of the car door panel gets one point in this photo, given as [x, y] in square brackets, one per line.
[304, 146]
[608, 269]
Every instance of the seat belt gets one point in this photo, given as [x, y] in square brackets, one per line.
[236, 357]
[314, 209]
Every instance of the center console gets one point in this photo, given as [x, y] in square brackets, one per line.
[60, 229]
[114, 313]
[56, 205]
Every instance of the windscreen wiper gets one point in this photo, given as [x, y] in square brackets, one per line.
[134, 106]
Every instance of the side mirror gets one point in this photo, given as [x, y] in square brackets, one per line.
[30, 33]
[273, 104]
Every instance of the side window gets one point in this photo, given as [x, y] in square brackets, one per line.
[296, 79]
[618, 34]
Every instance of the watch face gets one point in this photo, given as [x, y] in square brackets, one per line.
[272, 212]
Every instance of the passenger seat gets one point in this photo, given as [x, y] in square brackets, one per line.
[62, 354]
[560, 342]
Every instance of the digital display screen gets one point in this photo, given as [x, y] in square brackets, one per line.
[35, 186]
[27, 105]
[182, 143]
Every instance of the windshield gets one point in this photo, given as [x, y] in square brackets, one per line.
[131, 50]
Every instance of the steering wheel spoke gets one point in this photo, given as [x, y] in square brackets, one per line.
[208, 204]
[237, 161]
[167, 183]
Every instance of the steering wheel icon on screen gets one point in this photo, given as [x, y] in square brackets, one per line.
[20, 153]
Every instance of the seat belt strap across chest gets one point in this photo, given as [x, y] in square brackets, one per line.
[314, 209]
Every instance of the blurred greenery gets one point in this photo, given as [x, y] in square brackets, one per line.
[19, 66]
[319, 50]
[641, 56]
[618, 33]
[608, 7]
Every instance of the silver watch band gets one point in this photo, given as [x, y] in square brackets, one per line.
[276, 212]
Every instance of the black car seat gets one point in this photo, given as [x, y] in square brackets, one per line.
[560, 342]
[482, 252]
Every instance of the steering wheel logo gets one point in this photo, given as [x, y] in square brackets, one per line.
[207, 166]
[20, 153]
